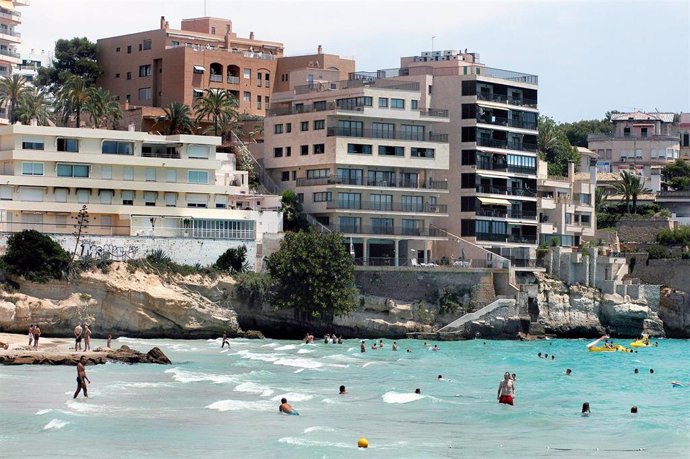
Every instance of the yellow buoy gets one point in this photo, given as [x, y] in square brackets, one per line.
[362, 443]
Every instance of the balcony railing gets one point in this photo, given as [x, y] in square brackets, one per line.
[504, 213]
[375, 134]
[161, 154]
[434, 113]
[512, 122]
[512, 191]
[654, 137]
[216, 78]
[495, 143]
[503, 99]
[509, 238]
[10, 53]
[233, 79]
[425, 208]
[502, 166]
[388, 230]
[401, 183]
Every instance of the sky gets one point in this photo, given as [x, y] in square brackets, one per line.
[591, 56]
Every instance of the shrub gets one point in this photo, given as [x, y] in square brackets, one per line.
[158, 257]
[233, 260]
[253, 288]
[658, 252]
[35, 256]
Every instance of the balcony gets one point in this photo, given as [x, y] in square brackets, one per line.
[504, 167]
[511, 191]
[509, 122]
[216, 78]
[507, 238]
[654, 137]
[10, 53]
[389, 230]
[390, 207]
[505, 213]
[233, 79]
[375, 134]
[504, 144]
[407, 184]
[503, 99]
[434, 113]
[161, 154]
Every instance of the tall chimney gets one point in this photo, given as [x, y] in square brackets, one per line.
[319, 50]
[162, 22]
[251, 35]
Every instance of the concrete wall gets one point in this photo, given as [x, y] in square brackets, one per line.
[181, 250]
[641, 231]
[669, 272]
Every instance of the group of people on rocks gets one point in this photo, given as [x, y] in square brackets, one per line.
[34, 335]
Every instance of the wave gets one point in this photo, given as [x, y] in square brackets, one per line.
[400, 397]
[304, 442]
[300, 363]
[42, 412]
[287, 347]
[305, 351]
[319, 429]
[253, 388]
[270, 345]
[55, 424]
[81, 406]
[370, 363]
[332, 401]
[184, 376]
[300, 370]
[245, 354]
[342, 358]
[239, 405]
[293, 397]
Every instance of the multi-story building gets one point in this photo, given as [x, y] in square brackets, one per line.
[157, 67]
[10, 39]
[142, 192]
[365, 159]
[30, 64]
[684, 135]
[566, 206]
[492, 174]
[643, 142]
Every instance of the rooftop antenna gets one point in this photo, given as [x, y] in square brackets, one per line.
[432, 42]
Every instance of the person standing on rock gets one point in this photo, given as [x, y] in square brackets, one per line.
[87, 337]
[31, 335]
[81, 377]
[37, 334]
[77, 337]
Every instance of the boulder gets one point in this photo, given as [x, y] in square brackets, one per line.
[253, 334]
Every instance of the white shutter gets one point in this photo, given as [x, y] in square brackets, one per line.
[127, 195]
[33, 219]
[198, 151]
[170, 199]
[6, 193]
[128, 173]
[106, 172]
[150, 197]
[150, 174]
[106, 196]
[83, 196]
[31, 194]
[61, 194]
[221, 201]
[197, 199]
[171, 175]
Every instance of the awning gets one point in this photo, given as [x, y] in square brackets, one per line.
[497, 202]
[199, 68]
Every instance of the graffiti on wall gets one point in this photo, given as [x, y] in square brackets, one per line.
[109, 251]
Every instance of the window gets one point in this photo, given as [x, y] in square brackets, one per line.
[381, 202]
[323, 196]
[285, 176]
[350, 176]
[380, 178]
[354, 103]
[319, 124]
[585, 219]
[127, 198]
[686, 140]
[467, 181]
[468, 158]
[411, 227]
[113, 147]
[32, 168]
[643, 132]
[196, 200]
[174, 43]
[258, 79]
[417, 152]
[72, 170]
[359, 149]
[383, 102]
[319, 148]
[106, 172]
[117, 75]
[288, 151]
[170, 199]
[106, 197]
[568, 218]
[320, 105]
[150, 174]
[414, 105]
[140, 46]
[349, 201]
[383, 130]
[397, 103]
[144, 93]
[258, 102]
[127, 173]
[382, 225]
[411, 132]
[288, 127]
[412, 203]
[147, 44]
[33, 145]
[278, 129]
[129, 49]
[351, 128]
[318, 173]
[144, 70]
[278, 152]
[247, 96]
[150, 198]
[198, 151]
[171, 176]
[117, 50]
[467, 203]
[350, 224]
[304, 126]
[129, 75]
[469, 111]
[304, 150]
[197, 177]
[267, 80]
[61, 221]
[266, 101]
[198, 69]
[386, 150]
[248, 74]
[61, 194]
[626, 132]
[83, 196]
[71, 145]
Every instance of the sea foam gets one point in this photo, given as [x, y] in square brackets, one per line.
[184, 376]
[253, 388]
[400, 397]
[55, 424]
[299, 363]
[293, 397]
[239, 405]
[304, 442]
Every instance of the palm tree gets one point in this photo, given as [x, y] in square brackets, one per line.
[600, 196]
[11, 90]
[102, 107]
[630, 186]
[72, 98]
[179, 117]
[219, 105]
[291, 208]
[34, 104]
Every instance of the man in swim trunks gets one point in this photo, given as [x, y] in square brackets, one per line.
[81, 377]
[285, 407]
[506, 390]
[77, 337]
[37, 334]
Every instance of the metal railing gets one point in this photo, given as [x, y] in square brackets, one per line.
[509, 238]
[499, 213]
[356, 83]
[376, 134]
[161, 154]
[216, 78]
[407, 184]
[507, 75]
[503, 99]
[503, 166]
[387, 230]
[512, 122]
[10, 33]
[7, 52]
[233, 79]
[495, 143]
[503, 190]
[423, 208]
[434, 113]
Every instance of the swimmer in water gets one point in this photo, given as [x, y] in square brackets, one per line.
[568, 372]
[285, 407]
[677, 384]
[395, 345]
[418, 391]
[585, 409]
[343, 391]
[362, 347]
[435, 348]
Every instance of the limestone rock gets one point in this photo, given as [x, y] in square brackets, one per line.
[253, 334]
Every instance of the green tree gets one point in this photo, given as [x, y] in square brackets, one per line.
[554, 147]
[220, 106]
[12, 89]
[291, 209]
[677, 174]
[630, 186]
[35, 256]
[314, 276]
[72, 98]
[233, 260]
[73, 57]
[600, 197]
[578, 131]
[102, 107]
[253, 288]
[179, 118]
[34, 104]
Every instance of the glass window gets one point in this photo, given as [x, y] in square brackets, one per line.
[323, 196]
[350, 176]
[112, 147]
[412, 203]
[417, 152]
[380, 178]
[411, 227]
[383, 130]
[318, 173]
[383, 102]
[150, 174]
[198, 151]
[382, 225]
[144, 93]
[70, 145]
[288, 127]
[258, 79]
[197, 177]
[170, 199]
[350, 224]
[147, 44]
[381, 202]
[145, 70]
[386, 150]
[349, 201]
[285, 176]
[397, 103]
[411, 132]
[278, 129]
[304, 125]
[319, 148]
[319, 124]
[33, 145]
[247, 96]
[127, 198]
[359, 149]
[32, 168]
[248, 74]
[351, 128]
[304, 150]
[83, 196]
[106, 197]
[278, 152]
[414, 105]
[72, 170]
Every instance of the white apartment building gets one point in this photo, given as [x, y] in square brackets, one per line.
[10, 39]
[142, 192]
[365, 159]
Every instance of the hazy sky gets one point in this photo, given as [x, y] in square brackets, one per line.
[591, 56]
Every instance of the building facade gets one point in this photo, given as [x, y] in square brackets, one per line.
[365, 159]
[157, 67]
[641, 142]
[141, 191]
[10, 39]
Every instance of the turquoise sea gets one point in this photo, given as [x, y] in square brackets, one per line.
[224, 403]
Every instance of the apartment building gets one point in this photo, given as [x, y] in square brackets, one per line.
[10, 39]
[566, 206]
[30, 63]
[142, 192]
[365, 158]
[157, 67]
[643, 142]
